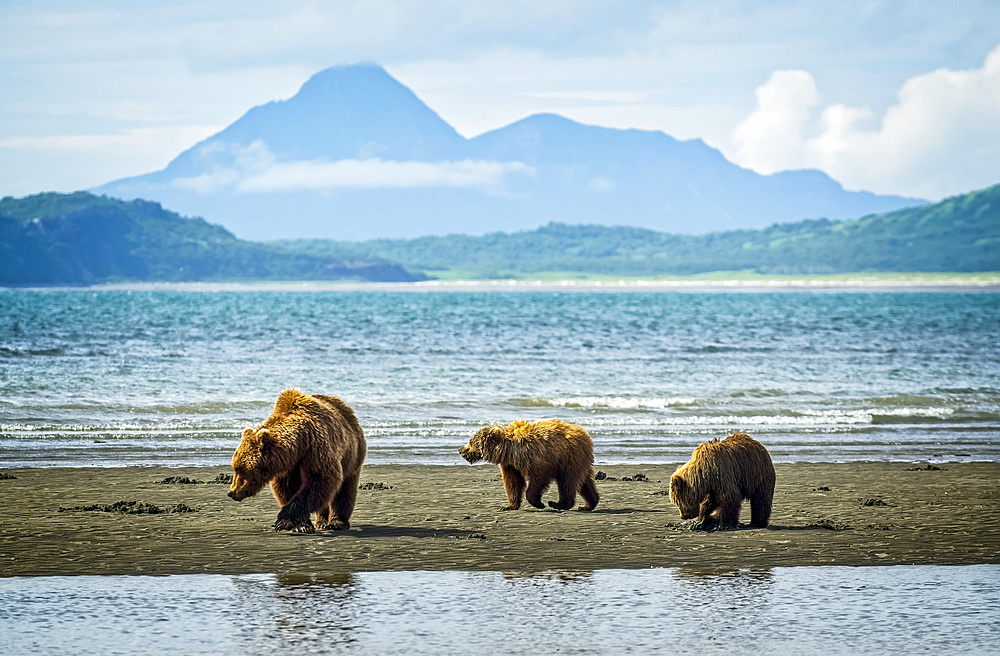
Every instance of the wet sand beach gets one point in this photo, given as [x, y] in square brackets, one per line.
[66, 521]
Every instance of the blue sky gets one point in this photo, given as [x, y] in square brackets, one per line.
[893, 97]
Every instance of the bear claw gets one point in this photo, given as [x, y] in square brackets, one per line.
[287, 525]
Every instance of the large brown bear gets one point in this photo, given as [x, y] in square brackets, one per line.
[720, 474]
[536, 453]
[310, 450]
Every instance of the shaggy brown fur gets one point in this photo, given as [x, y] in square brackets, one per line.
[713, 484]
[310, 450]
[532, 455]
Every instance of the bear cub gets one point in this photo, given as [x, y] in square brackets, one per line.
[720, 475]
[533, 454]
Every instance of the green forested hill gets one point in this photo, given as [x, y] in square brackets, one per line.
[960, 234]
[80, 238]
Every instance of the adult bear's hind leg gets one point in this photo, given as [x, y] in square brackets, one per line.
[342, 506]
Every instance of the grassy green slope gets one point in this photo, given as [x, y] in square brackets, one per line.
[960, 234]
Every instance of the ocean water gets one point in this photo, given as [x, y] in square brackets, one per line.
[170, 376]
[800, 610]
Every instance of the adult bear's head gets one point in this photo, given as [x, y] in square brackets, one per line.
[251, 464]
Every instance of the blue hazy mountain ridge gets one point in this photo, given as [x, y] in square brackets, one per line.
[357, 155]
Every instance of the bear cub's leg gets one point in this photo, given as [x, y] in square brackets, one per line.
[729, 512]
[513, 483]
[760, 509]
[589, 493]
[705, 521]
[567, 492]
[536, 488]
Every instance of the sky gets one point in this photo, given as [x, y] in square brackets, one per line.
[895, 97]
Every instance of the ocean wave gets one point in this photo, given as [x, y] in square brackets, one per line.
[14, 352]
[916, 415]
[150, 429]
[609, 402]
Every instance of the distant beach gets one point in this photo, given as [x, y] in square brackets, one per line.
[951, 282]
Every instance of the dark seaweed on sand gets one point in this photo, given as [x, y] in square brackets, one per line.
[639, 478]
[131, 508]
[221, 479]
[374, 486]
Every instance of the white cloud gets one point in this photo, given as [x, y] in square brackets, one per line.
[940, 138]
[372, 173]
[254, 169]
[773, 133]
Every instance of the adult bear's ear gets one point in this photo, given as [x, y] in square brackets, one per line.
[496, 431]
[266, 441]
[247, 432]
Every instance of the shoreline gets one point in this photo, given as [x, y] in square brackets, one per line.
[862, 282]
[436, 518]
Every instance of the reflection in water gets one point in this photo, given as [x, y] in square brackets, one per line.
[804, 610]
[295, 609]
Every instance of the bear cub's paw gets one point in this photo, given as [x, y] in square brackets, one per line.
[707, 525]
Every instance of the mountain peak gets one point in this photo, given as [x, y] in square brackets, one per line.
[365, 82]
[342, 112]
[355, 153]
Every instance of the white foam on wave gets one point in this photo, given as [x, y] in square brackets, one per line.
[619, 402]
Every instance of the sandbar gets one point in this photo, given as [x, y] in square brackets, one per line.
[76, 521]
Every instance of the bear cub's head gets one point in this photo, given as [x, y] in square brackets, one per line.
[250, 470]
[480, 446]
[683, 496]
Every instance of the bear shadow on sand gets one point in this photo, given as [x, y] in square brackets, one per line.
[629, 511]
[366, 531]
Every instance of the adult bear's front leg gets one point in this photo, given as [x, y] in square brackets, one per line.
[293, 518]
[315, 494]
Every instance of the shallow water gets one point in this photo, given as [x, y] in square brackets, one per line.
[119, 377]
[803, 610]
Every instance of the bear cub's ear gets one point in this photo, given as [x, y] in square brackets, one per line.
[677, 486]
[496, 431]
